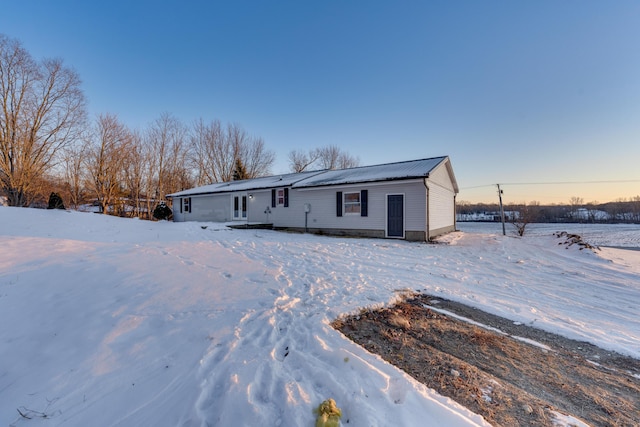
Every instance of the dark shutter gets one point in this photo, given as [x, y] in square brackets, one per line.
[189, 204]
[364, 196]
[339, 203]
[181, 201]
[273, 198]
[286, 197]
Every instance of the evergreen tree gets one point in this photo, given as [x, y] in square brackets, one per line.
[240, 171]
[162, 211]
[55, 201]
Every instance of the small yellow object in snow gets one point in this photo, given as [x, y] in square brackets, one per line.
[328, 414]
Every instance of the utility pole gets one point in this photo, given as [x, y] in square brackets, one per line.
[504, 232]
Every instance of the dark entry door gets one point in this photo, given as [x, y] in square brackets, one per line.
[395, 215]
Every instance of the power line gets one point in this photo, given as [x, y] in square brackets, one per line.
[555, 183]
[478, 186]
[572, 182]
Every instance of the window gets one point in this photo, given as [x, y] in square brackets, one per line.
[280, 197]
[186, 204]
[352, 203]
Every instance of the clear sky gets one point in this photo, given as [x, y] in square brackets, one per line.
[513, 91]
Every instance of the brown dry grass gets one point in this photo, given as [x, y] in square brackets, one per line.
[507, 381]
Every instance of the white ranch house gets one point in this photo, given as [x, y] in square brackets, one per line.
[412, 200]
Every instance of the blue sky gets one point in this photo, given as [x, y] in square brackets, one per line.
[514, 92]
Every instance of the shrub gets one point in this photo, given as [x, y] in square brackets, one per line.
[162, 211]
[55, 201]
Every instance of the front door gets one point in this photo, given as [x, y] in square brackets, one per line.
[395, 215]
[240, 207]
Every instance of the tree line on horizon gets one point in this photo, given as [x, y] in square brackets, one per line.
[575, 210]
[49, 146]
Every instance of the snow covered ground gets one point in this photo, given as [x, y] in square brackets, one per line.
[610, 235]
[109, 321]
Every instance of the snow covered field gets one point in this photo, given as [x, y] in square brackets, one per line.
[109, 321]
[611, 235]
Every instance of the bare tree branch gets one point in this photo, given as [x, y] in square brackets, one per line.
[299, 161]
[108, 148]
[42, 110]
[216, 149]
[329, 157]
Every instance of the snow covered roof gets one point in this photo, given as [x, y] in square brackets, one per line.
[274, 181]
[385, 172]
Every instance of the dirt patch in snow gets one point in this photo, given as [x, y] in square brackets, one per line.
[512, 374]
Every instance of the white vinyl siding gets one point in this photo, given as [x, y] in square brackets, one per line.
[323, 206]
[442, 208]
[440, 176]
[441, 200]
[259, 207]
[210, 207]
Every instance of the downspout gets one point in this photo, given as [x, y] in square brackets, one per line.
[428, 230]
[455, 209]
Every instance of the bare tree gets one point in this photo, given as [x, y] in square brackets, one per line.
[216, 149]
[329, 157]
[332, 157]
[167, 139]
[635, 208]
[198, 153]
[299, 161]
[205, 142]
[42, 110]
[108, 148]
[74, 163]
[523, 215]
[575, 203]
[255, 157]
[225, 152]
[149, 167]
[135, 176]
[592, 211]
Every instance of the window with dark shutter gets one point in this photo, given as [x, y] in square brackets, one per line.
[273, 198]
[286, 197]
[364, 199]
[339, 203]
